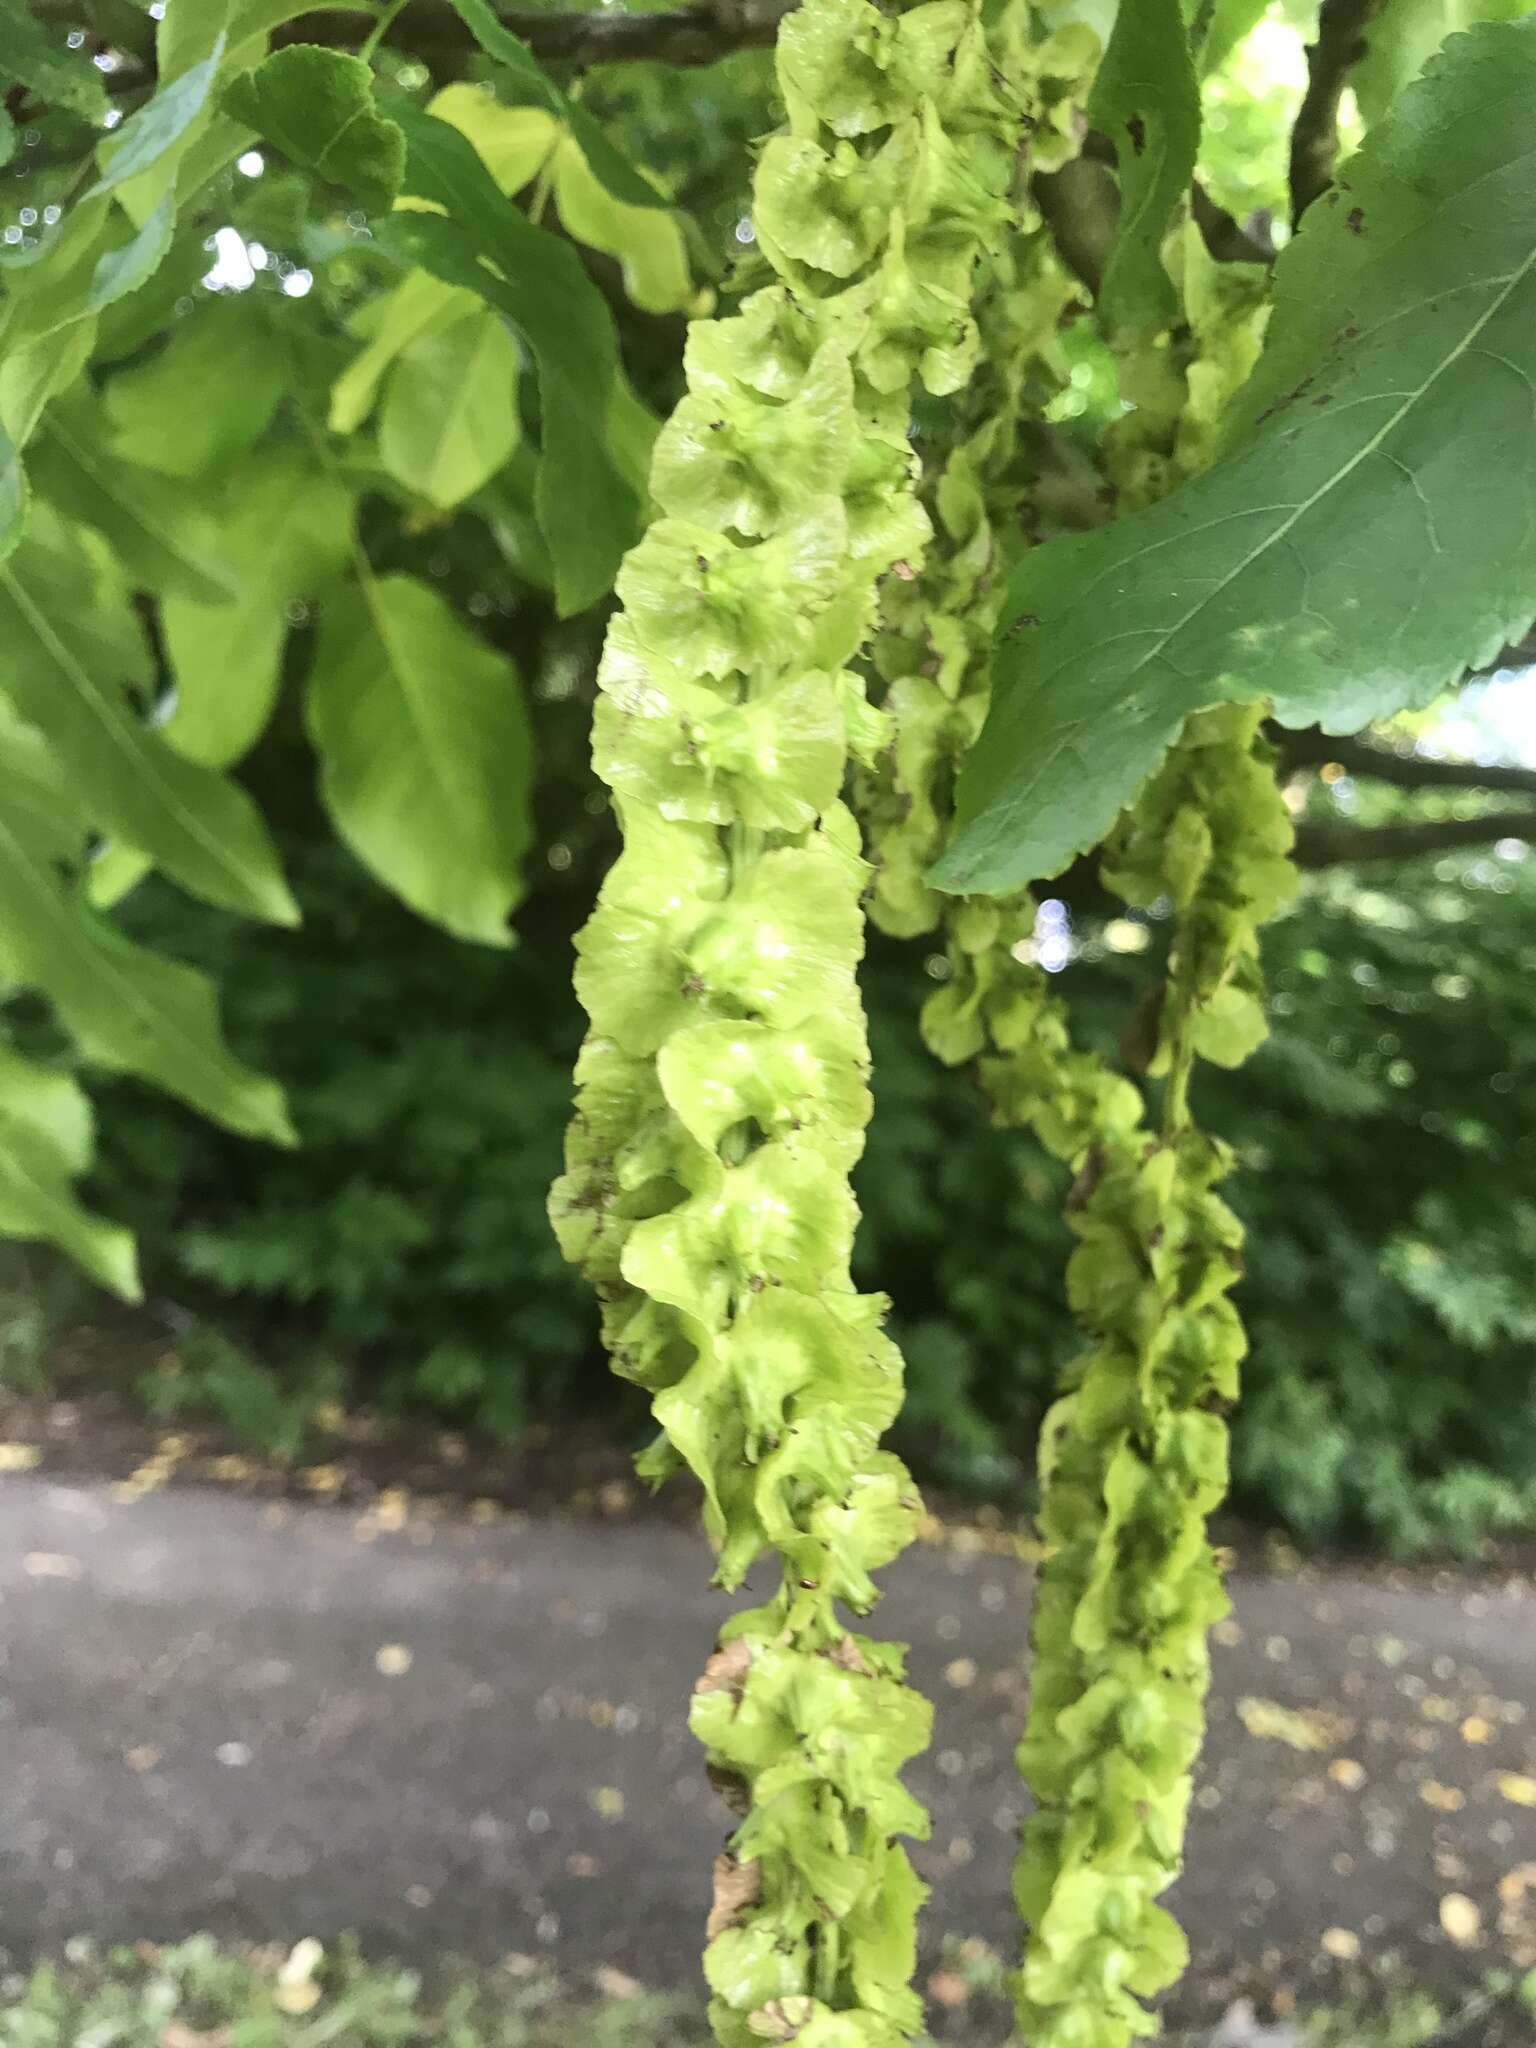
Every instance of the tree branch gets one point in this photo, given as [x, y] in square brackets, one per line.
[1326, 846]
[701, 34]
[1361, 756]
[1340, 45]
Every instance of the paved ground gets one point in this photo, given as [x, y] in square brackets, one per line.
[276, 1720]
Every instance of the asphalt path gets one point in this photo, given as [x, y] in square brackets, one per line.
[273, 1720]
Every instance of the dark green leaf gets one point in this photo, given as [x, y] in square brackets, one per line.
[1368, 535]
[1147, 100]
[425, 753]
[317, 107]
[529, 85]
[587, 507]
[72, 651]
[37, 55]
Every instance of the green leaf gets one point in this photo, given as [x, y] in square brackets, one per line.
[1229, 23]
[1147, 99]
[126, 1008]
[159, 125]
[1404, 34]
[40, 59]
[122, 270]
[530, 85]
[224, 356]
[45, 1142]
[72, 651]
[418, 306]
[290, 524]
[317, 107]
[156, 527]
[7, 137]
[1366, 537]
[450, 417]
[425, 753]
[587, 508]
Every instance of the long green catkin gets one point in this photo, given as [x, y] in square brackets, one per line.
[723, 1086]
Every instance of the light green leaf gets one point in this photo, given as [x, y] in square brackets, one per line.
[159, 125]
[7, 137]
[45, 1142]
[419, 305]
[317, 107]
[1147, 99]
[38, 56]
[203, 399]
[528, 84]
[156, 527]
[71, 650]
[425, 753]
[648, 244]
[126, 1008]
[587, 508]
[290, 523]
[450, 417]
[1367, 536]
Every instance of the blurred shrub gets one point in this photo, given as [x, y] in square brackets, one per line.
[1389, 1292]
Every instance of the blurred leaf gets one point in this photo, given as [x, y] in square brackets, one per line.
[13, 495]
[450, 417]
[202, 399]
[531, 85]
[159, 125]
[126, 1008]
[1369, 537]
[425, 753]
[419, 306]
[45, 1142]
[72, 652]
[317, 107]
[123, 270]
[1147, 100]
[648, 244]
[155, 526]
[1403, 35]
[1230, 22]
[38, 56]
